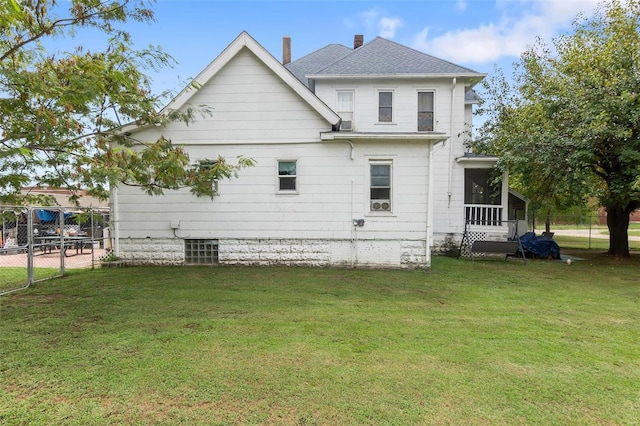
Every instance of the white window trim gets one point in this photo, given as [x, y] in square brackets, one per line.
[435, 97]
[216, 182]
[391, 160]
[393, 107]
[353, 104]
[277, 168]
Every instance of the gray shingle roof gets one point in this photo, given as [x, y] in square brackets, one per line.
[315, 61]
[381, 56]
[472, 97]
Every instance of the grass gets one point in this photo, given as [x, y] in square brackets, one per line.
[596, 244]
[634, 227]
[12, 277]
[633, 230]
[488, 342]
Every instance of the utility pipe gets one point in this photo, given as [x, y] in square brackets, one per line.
[115, 222]
[451, 135]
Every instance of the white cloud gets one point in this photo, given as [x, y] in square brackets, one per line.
[388, 26]
[461, 5]
[376, 21]
[517, 27]
[370, 18]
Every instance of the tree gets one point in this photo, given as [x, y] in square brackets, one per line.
[60, 113]
[569, 126]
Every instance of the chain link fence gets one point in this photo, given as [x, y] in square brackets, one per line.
[39, 243]
[583, 231]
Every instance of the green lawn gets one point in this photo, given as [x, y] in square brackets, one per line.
[16, 277]
[597, 244]
[483, 343]
[633, 230]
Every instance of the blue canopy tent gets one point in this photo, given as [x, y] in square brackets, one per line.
[50, 215]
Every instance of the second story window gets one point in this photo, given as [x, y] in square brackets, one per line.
[425, 111]
[385, 107]
[287, 176]
[344, 108]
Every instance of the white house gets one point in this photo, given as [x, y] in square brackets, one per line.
[359, 154]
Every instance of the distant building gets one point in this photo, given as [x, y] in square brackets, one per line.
[61, 197]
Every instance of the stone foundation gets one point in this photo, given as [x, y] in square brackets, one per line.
[266, 252]
[410, 254]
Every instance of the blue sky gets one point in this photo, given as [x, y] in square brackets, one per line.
[473, 33]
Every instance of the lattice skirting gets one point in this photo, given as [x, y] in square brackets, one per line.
[468, 239]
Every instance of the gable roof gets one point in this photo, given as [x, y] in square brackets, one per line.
[244, 40]
[382, 57]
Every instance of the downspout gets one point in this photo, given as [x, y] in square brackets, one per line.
[429, 227]
[115, 222]
[352, 148]
[354, 231]
[354, 235]
[451, 129]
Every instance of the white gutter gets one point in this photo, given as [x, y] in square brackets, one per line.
[471, 75]
[384, 136]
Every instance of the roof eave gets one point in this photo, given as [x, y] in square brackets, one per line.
[400, 136]
[479, 76]
[478, 159]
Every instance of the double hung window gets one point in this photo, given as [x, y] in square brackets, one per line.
[425, 111]
[344, 108]
[205, 166]
[287, 176]
[385, 107]
[380, 186]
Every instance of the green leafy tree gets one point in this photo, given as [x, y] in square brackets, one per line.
[569, 126]
[61, 112]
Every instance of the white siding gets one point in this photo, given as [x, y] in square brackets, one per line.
[405, 102]
[331, 192]
[250, 104]
[256, 114]
[451, 116]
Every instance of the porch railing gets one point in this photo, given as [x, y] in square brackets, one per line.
[484, 215]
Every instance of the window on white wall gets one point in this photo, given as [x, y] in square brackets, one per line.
[425, 111]
[380, 186]
[287, 176]
[344, 108]
[385, 107]
[206, 165]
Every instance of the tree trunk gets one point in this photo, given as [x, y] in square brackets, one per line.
[618, 224]
[547, 222]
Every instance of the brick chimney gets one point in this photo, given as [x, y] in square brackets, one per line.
[358, 40]
[286, 50]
